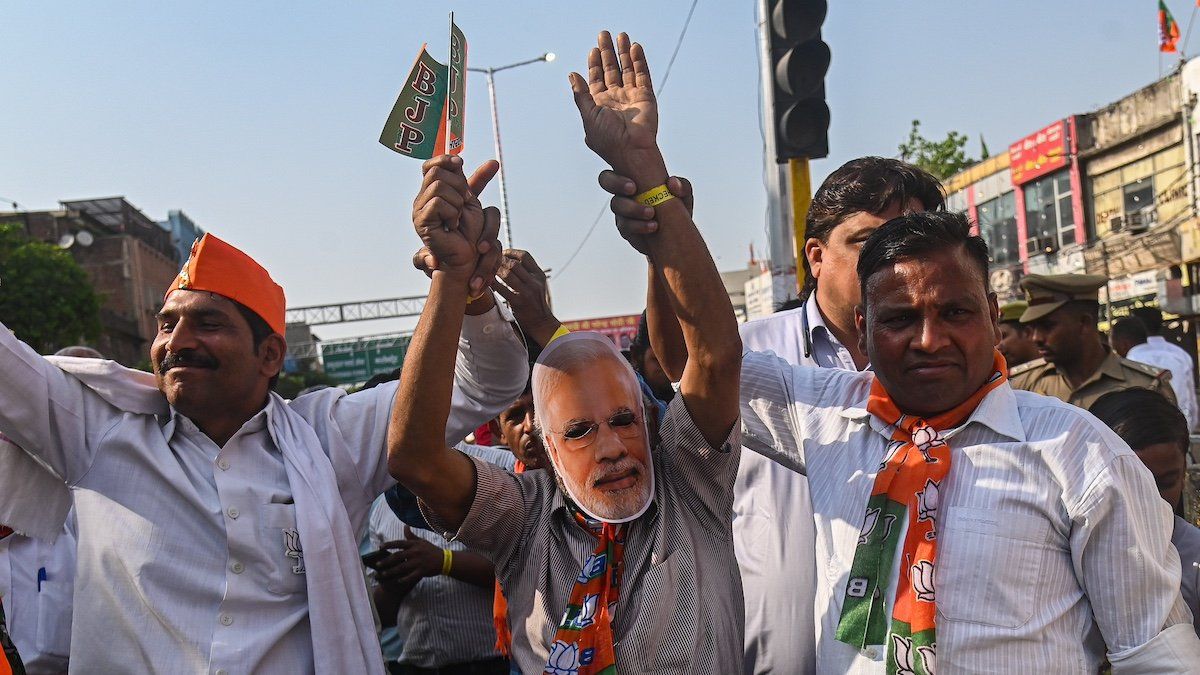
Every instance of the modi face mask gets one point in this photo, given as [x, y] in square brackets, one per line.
[594, 426]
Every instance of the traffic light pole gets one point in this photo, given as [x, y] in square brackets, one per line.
[779, 244]
[800, 187]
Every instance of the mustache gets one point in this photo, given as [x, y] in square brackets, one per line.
[602, 473]
[188, 357]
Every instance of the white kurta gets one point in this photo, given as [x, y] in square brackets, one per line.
[1156, 351]
[189, 559]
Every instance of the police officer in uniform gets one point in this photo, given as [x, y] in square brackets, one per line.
[1015, 342]
[1076, 365]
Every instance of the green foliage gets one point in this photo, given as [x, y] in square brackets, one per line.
[942, 158]
[46, 299]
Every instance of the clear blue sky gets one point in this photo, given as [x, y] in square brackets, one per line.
[260, 119]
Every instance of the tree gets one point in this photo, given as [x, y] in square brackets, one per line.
[46, 299]
[942, 158]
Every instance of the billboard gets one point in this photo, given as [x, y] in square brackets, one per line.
[355, 362]
[619, 329]
[1039, 153]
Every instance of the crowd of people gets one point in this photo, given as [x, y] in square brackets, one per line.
[899, 475]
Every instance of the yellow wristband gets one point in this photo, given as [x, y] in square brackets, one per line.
[562, 330]
[447, 561]
[655, 196]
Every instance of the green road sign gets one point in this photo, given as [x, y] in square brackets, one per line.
[355, 362]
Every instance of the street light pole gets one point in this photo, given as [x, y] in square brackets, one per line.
[506, 224]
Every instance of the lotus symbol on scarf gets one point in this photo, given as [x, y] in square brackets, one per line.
[927, 501]
[593, 567]
[868, 525]
[922, 580]
[564, 659]
[927, 658]
[903, 655]
[587, 612]
[926, 438]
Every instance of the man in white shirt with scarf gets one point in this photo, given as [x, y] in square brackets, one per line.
[217, 522]
[963, 525]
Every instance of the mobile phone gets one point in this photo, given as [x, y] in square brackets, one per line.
[375, 557]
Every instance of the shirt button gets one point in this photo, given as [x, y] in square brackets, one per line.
[233, 512]
[221, 671]
[223, 464]
[487, 330]
[226, 620]
[237, 568]
[872, 653]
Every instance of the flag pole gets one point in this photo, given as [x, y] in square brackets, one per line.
[1188, 32]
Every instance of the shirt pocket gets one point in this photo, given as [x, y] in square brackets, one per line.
[284, 552]
[989, 568]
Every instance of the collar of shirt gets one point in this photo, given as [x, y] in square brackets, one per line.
[1110, 366]
[819, 334]
[997, 411]
[260, 421]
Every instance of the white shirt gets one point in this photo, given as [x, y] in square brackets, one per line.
[37, 580]
[184, 561]
[1156, 351]
[773, 529]
[1052, 539]
[442, 620]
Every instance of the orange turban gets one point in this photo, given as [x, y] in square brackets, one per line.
[216, 267]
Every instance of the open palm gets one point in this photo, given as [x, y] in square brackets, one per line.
[617, 104]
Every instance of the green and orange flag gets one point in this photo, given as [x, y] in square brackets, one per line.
[1168, 29]
[428, 117]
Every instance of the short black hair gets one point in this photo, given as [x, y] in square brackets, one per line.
[1151, 317]
[1130, 329]
[870, 185]
[913, 235]
[259, 330]
[1142, 417]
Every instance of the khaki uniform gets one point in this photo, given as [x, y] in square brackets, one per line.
[1114, 374]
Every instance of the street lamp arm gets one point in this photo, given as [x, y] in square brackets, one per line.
[543, 57]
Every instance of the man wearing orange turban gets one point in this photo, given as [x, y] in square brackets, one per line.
[218, 522]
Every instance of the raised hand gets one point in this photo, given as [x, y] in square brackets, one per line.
[617, 104]
[455, 228]
[526, 290]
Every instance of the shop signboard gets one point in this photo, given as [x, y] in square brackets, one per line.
[619, 329]
[1039, 153]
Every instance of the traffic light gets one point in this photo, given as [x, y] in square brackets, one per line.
[799, 60]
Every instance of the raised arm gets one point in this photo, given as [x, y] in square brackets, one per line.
[620, 120]
[450, 221]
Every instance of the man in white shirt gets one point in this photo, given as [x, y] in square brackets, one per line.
[773, 529]
[217, 522]
[1156, 351]
[37, 581]
[1042, 547]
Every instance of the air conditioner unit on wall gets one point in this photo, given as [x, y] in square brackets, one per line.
[1116, 224]
[1040, 246]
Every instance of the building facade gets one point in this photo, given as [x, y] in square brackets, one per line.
[1108, 192]
[129, 259]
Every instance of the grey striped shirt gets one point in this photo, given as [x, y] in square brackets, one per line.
[1053, 543]
[680, 609]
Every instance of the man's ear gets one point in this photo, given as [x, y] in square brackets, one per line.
[994, 308]
[860, 324]
[271, 354]
[814, 251]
